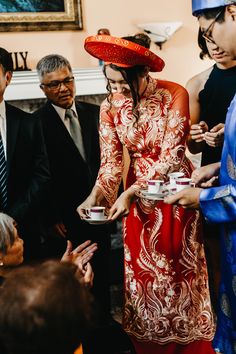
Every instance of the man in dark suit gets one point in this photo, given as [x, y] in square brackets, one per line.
[71, 135]
[73, 165]
[24, 167]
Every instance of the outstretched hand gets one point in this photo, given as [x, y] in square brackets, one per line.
[81, 256]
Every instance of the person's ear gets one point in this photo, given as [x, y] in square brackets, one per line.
[231, 10]
[42, 87]
[8, 77]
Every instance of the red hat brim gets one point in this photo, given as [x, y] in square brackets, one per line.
[121, 52]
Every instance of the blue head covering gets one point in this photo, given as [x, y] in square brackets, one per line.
[199, 5]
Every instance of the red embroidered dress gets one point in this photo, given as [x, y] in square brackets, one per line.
[166, 284]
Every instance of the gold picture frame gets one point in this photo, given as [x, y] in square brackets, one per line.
[70, 18]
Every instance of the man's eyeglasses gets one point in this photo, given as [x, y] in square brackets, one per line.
[56, 85]
[207, 34]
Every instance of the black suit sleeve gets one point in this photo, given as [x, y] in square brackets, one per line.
[30, 199]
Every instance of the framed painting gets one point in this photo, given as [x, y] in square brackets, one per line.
[40, 15]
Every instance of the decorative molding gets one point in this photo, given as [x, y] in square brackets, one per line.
[25, 84]
[40, 16]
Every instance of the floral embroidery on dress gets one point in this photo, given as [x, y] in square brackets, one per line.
[155, 142]
[166, 285]
[170, 311]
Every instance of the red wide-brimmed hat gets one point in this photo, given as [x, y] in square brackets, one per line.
[121, 52]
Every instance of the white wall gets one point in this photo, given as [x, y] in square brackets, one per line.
[180, 52]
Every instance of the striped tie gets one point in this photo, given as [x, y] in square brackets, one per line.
[3, 177]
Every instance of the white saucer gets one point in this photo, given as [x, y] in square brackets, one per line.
[96, 222]
[152, 196]
[170, 188]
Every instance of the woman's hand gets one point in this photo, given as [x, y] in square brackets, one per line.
[206, 176]
[215, 137]
[197, 131]
[88, 203]
[94, 199]
[122, 205]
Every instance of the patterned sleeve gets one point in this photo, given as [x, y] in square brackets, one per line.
[219, 204]
[111, 167]
[177, 128]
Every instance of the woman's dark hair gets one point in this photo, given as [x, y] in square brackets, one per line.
[140, 38]
[210, 14]
[202, 45]
[131, 75]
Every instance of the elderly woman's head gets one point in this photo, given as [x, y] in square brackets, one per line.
[11, 245]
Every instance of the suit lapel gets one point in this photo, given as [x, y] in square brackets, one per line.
[59, 130]
[13, 122]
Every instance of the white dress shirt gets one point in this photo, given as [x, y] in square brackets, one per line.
[3, 126]
[62, 111]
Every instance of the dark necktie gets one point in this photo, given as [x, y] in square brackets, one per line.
[3, 177]
[75, 131]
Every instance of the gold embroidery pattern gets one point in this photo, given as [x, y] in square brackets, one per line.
[155, 142]
[224, 192]
[158, 308]
[234, 284]
[166, 297]
[231, 169]
[225, 305]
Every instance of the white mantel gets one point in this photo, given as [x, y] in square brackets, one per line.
[25, 84]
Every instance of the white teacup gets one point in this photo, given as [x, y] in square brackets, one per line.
[155, 186]
[182, 183]
[96, 213]
[173, 176]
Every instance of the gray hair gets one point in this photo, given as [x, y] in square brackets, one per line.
[50, 63]
[7, 228]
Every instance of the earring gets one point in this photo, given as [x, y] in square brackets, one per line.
[1, 263]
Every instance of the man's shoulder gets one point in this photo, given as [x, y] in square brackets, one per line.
[44, 108]
[86, 106]
[14, 110]
[16, 114]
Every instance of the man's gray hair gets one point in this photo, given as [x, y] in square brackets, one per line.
[50, 63]
[7, 229]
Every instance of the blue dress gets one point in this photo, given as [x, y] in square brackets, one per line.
[219, 206]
